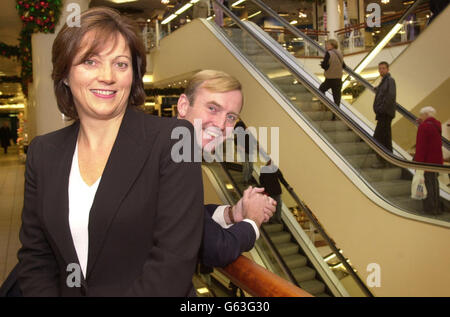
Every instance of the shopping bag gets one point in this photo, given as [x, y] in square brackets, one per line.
[418, 189]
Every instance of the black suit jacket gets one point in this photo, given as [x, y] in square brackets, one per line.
[222, 246]
[145, 224]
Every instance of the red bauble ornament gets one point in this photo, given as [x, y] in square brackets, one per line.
[27, 6]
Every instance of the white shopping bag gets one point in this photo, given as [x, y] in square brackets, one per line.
[418, 189]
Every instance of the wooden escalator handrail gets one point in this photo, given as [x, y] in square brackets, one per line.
[259, 282]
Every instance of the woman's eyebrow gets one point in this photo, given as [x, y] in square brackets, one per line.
[126, 56]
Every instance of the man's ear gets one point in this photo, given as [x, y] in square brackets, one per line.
[182, 106]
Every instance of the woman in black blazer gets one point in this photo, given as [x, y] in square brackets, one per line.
[140, 233]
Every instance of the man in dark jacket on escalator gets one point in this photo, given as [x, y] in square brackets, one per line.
[384, 108]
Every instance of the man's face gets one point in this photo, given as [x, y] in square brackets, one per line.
[217, 112]
[383, 70]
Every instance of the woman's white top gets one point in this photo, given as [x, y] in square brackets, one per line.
[81, 197]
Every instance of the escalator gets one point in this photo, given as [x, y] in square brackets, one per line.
[368, 213]
[393, 183]
[287, 254]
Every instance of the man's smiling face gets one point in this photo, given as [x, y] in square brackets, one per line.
[216, 110]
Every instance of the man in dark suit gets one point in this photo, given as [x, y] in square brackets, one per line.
[384, 108]
[215, 98]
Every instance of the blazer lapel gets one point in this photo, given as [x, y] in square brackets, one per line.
[56, 196]
[128, 155]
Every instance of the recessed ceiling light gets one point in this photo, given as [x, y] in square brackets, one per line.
[122, 1]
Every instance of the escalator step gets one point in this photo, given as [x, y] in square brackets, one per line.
[396, 187]
[362, 160]
[273, 227]
[318, 115]
[304, 274]
[312, 106]
[385, 174]
[313, 287]
[343, 136]
[353, 148]
[280, 237]
[331, 126]
[287, 248]
[295, 260]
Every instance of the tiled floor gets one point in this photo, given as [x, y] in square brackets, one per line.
[11, 203]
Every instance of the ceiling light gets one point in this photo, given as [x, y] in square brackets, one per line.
[293, 22]
[183, 8]
[122, 1]
[170, 18]
[229, 186]
[165, 1]
[237, 3]
[147, 78]
[375, 51]
[385, 1]
[202, 290]
[254, 14]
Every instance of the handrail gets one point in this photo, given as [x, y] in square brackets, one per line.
[375, 145]
[259, 282]
[265, 236]
[408, 115]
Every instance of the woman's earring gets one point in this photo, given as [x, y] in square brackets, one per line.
[65, 82]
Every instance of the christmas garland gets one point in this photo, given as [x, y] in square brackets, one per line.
[9, 51]
[39, 16]
[10, 79]
[36, 16]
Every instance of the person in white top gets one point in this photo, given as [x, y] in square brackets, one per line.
[107, 211]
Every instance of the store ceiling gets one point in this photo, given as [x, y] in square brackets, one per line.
[10, 25]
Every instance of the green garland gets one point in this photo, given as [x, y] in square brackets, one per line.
[9, 51]
[10, 79]
[40, 15]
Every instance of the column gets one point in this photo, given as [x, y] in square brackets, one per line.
[47, 117]
[333, 18]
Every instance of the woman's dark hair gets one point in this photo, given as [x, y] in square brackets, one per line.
[107, 24]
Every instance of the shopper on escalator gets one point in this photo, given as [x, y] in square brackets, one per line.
[384, 108]
[333, 64]
[429, 150]
[270, 180]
